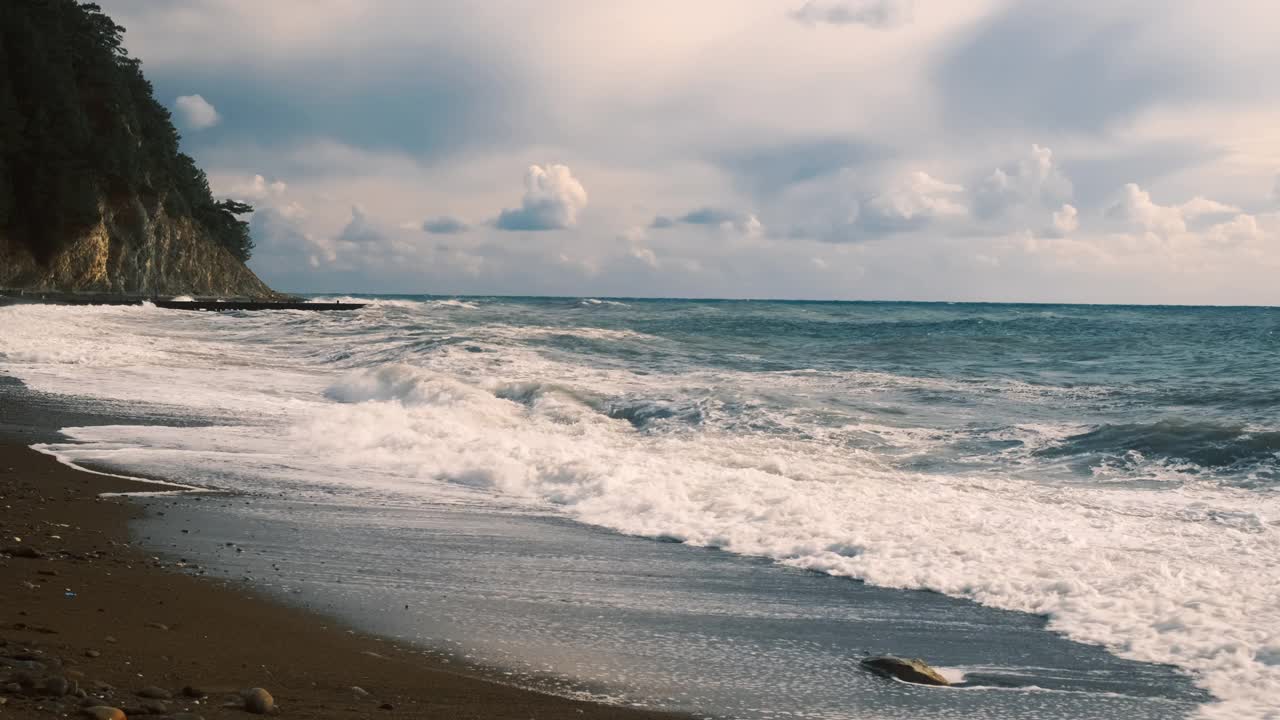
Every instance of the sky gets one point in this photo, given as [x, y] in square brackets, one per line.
[1083, 151]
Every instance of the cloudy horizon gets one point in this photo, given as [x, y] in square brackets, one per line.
[822, 149]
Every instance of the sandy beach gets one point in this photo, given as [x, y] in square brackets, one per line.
[88, 619]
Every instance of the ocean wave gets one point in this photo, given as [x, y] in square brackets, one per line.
[1206, 445]
[371, 302]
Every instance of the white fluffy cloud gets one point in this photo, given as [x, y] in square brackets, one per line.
[1136, 207]
[1032, 179]
[553, 197]
[256, 188]
[915, 199]
[1066, 220]
[196, 113]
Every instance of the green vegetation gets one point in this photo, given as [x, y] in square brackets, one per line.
[79, 126]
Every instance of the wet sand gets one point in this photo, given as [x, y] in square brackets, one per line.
[80, 602]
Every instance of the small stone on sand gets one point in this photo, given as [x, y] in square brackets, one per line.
[103, 712]
[258, 701]
[155, 693]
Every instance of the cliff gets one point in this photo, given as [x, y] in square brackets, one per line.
[134, 253]
[95, 193]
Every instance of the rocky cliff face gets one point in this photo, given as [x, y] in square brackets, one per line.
[137, 252]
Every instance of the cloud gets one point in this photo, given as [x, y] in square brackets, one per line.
[1136, 207]
[1066, 220]
[766, 170]
[256, 188]
[1033, 179]
[445, 225]
[281, 242]
[1059, 65]
[915, 200]
[742, 222]
[878, 14]
[552, 200]
[195, 113]
[361, 229]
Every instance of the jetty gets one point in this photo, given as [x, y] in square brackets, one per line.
[205, 304]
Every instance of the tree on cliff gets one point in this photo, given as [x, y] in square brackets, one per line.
[80, 127]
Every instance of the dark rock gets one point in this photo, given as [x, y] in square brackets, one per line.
[23, 551]
[155, 707]
[907, 670]
[157, 626]
[58, 686]
[386, 706]
[92, 653]
[193, 692]
[155, 693]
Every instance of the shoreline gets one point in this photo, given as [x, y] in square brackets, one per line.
[97, 610]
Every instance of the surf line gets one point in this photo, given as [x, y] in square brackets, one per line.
[178, 488]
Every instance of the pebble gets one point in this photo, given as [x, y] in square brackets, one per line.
[92, 653]
[58, 686]
[185, 716]
[157, 626]
[155, 707]
[359, 691]
[193, 692]
[103, 712]
[386, 706]
[155, 693]
[258, 701]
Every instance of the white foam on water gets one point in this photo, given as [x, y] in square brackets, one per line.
[1182, 575]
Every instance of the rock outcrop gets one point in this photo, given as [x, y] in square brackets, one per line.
[907, 670]
[134, 251]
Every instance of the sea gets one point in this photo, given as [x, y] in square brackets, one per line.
[720, 507]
